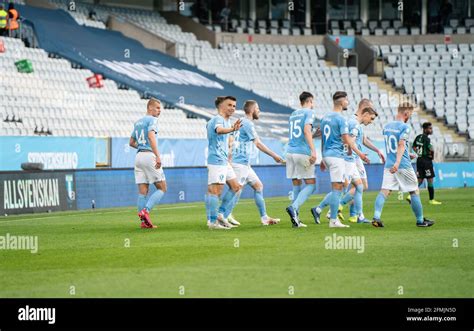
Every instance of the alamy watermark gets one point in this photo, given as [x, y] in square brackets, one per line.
[14, 242]
[345, 242]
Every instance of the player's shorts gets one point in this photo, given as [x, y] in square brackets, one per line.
[351, 172]
[403, 180]
[145, 171]
[299, 167]
[424, 168]
[219, 174]
[337, 168]
[361, 168]
[245, 174]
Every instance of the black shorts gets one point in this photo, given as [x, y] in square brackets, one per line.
[424, 168]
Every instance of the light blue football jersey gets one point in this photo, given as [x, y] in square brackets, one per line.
[333, 126]
[355, 130]
[141, 129]
[218, 144]
[298, 119]
[394, 132]
[243, 142]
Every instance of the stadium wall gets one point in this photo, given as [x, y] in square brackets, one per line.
[106, 188]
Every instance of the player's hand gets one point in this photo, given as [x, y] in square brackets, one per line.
[394, 169]
[381, 156]
[158, 162]
[365, 158]
[322, 166]
[237, 124]
[312, 159]
[278, 159]
[317, 133]
[412, 156]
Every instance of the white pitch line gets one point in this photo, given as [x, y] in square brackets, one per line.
[88, 213]
[85, 214]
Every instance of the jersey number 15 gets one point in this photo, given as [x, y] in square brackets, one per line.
[295, 129]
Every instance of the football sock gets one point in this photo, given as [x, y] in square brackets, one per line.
[226, 201]
[232, 204]
[431, 190]
[296, 191]
[417, 207]
[154, 199]
[334, 203]
[325, 202]
[347, 198]
[303, 196]
[141, 202]
[213, 205]
[379, 202]
[206, 202]
[358, 199]
[260, 202]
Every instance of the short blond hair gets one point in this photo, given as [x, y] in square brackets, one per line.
[152, 102]
[405, 106]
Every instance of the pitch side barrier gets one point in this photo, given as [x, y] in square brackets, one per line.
[43, 191]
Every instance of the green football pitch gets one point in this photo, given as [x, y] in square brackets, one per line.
[104, 253]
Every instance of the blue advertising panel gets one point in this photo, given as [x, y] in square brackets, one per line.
[456, 174]
[184, 152]
[54, 152]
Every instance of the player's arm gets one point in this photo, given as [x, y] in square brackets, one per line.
[413, 146]
[367, 143]
[430, 148]
[235, 127]
[322, 165]
[133, 143]
[400, 150]
[231, 144]
[261, 146]
[308, 136]
[350, 142]
[154, 147]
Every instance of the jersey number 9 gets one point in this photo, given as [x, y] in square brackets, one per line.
[327, 131]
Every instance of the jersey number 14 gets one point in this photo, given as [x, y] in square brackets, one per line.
[140, 138]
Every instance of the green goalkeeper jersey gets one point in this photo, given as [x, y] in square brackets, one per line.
[422, 146]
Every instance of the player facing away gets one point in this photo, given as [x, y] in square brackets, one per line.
[244, 141]
[148, 168]
[424, 164]
[301, 156]
[398, 173]
[364, 115]
[335, 144]
[219, 169]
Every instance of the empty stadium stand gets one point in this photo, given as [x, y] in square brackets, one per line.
[66, 106]
[441, 76]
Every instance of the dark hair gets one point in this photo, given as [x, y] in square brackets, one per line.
[339, 95]
[218, 101]
[230, 97]
[304, 96]
[426, 125]
[370, 110]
